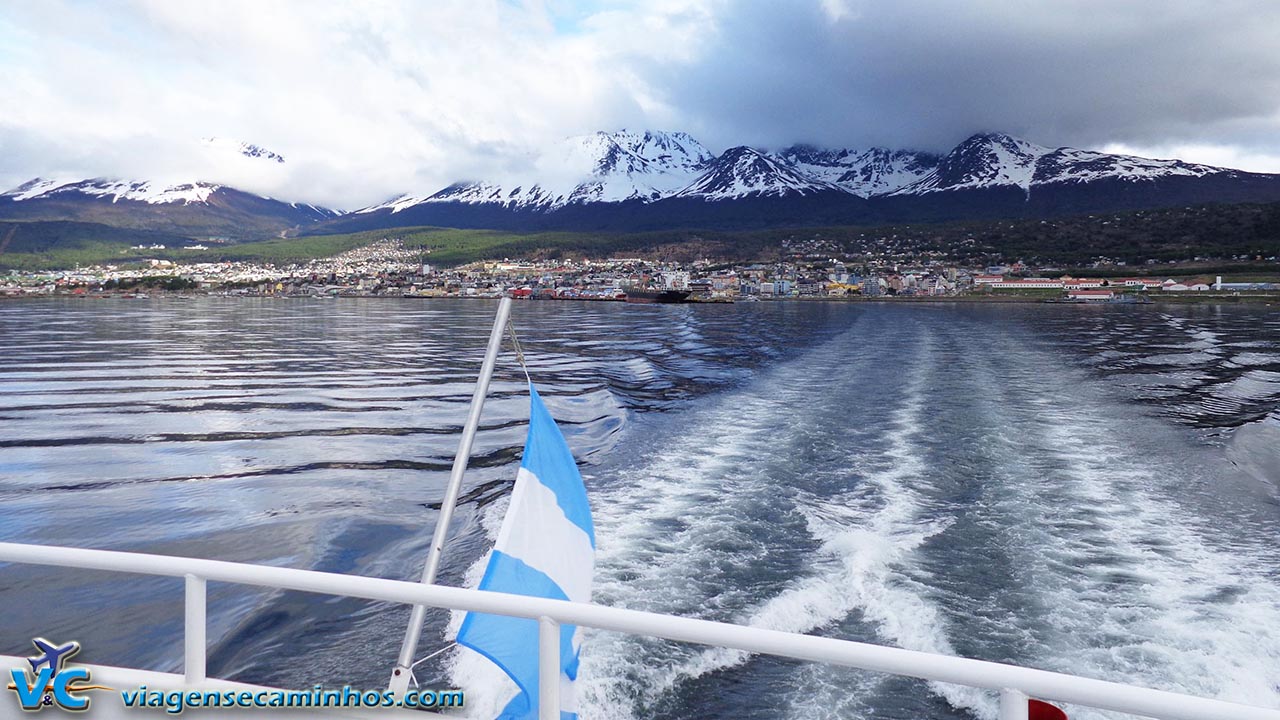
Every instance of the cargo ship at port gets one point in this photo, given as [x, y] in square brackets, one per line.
[650, 297]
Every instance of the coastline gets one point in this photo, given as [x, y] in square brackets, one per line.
[1199, 298]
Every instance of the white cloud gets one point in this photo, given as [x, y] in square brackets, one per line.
[364, 99]
[1217, 155]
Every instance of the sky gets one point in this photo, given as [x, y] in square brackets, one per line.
[370, 99]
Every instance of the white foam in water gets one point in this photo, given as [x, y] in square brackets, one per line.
[660, 528]
[655, 529]
[871, 534]
[1141, 596]
[865, 537]
[1133, 586]
[625, 517]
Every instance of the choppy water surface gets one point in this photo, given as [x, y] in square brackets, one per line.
[1086, 489]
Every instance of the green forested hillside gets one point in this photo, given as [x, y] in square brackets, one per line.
[1220, 232]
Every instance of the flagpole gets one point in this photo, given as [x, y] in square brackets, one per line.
[400, 675]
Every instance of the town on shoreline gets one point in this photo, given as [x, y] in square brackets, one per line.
[388, 269]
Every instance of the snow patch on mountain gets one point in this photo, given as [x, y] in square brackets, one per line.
[746, 172]
[395, 204]
[320, 212]
[116, 190]
[248, 150]
[985, 160]
[615, 167]
[1067, 165]
[37, 187]
[864, 173]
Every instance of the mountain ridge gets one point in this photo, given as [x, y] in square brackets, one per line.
[640, 180]
[986, 159]
[196, 209]
[989, 174]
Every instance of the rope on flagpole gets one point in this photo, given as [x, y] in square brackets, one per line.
[515, 343]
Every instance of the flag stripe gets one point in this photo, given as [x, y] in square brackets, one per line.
[547, 454]
[537, 532]
[511, 575]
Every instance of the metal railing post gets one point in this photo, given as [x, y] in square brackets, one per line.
[548, 669]
[1013, 705]
[194, 642]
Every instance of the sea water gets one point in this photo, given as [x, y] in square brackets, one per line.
[1092, 490]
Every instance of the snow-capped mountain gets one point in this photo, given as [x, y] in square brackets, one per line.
[743, 172]
[651, 180]
[600, 167]
[864, 173]
[197, 208]
[631, 166]
[652, 166]
[1066, 165]
[248, 150]
[996, 160]
[142, 191]
[984, 160]
[113, 190]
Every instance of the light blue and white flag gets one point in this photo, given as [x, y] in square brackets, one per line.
[545, 548]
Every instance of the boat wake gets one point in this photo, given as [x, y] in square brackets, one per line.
[997, 505]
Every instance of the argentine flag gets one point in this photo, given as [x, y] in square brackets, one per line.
[545, 548]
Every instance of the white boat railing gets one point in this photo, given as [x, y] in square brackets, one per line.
[1014, 684]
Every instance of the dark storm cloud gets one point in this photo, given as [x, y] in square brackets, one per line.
[928, 73]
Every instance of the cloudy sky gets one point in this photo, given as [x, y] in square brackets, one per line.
[372, 98]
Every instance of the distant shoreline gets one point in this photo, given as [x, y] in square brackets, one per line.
[1189, 298]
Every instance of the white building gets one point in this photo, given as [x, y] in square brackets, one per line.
[1091, 295]
[1028, 283]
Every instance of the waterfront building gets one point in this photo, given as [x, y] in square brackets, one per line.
[1071, 283]
[1091, 295]
[1029, 284]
